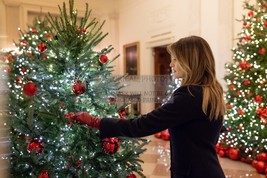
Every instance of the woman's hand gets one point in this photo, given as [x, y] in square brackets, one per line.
[85, 118]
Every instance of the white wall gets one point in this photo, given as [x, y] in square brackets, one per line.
[2, 25]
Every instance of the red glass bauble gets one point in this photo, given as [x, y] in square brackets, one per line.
[243, 64]
[48, 36]
[254, 163]
[233, 154]
[157, 135]
[30, 89]
[10, 58]
[122, 113]
[111, 145]
[247, 38]
[23, 70]
[165, 135]
[262, 51]
[78, 87]
[131, 176]
[41, 47]
[250, 13]
[43, 174]
[258, 99]
[262, 157]
[246, 82]
[221, 153]
[260, 166]
[34, 31]
[103, 59]
[262, 112]
[37, 145]
[240, 111]
[112, 100]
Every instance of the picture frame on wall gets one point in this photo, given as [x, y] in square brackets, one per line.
[131, 58]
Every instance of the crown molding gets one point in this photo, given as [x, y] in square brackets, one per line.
[47, 3]
[12, 2]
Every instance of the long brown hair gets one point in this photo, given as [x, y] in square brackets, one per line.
[195, 57]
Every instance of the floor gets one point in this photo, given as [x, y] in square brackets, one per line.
[156, 162]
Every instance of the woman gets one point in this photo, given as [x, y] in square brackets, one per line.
[194, 115]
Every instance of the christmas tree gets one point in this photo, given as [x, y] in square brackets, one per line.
[246, 96]
[55, 73]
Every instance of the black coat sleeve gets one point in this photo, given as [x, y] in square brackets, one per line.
[182, 107]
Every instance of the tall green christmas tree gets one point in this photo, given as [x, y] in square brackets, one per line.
[246, 95]
[56, 73]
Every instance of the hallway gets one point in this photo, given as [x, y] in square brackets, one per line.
[156, 162]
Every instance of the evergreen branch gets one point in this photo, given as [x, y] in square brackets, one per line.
[86, 16]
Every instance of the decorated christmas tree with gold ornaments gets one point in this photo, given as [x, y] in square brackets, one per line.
[246, 95]
[56, 72]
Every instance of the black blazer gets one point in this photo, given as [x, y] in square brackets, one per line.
[192, 135]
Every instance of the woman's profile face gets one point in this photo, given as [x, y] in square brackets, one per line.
[176, 69]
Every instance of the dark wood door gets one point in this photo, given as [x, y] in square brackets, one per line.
[162, 72]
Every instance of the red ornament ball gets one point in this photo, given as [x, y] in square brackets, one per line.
[103, 59]
[240, 111]
[41, 47]
[123, 113]
[10, 58]
[24, 43]
[131, 176]
[247, 38]
[245, 65]
[221, 153]
[260, 166]
[23, 70]
[246, 82]
[165, 135]
[78, 87]
[37, 145]
[262, 51]
[30, 89]
[48, 36]
[34, 31]
[112, 100]
[254, 163]
[111, 145]
[262, 157]
[262, 112]
[258, 99]
[43, 174]
[84, 30]
[233, 154]
[250, 13]
[157, 135]
[249, 160]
